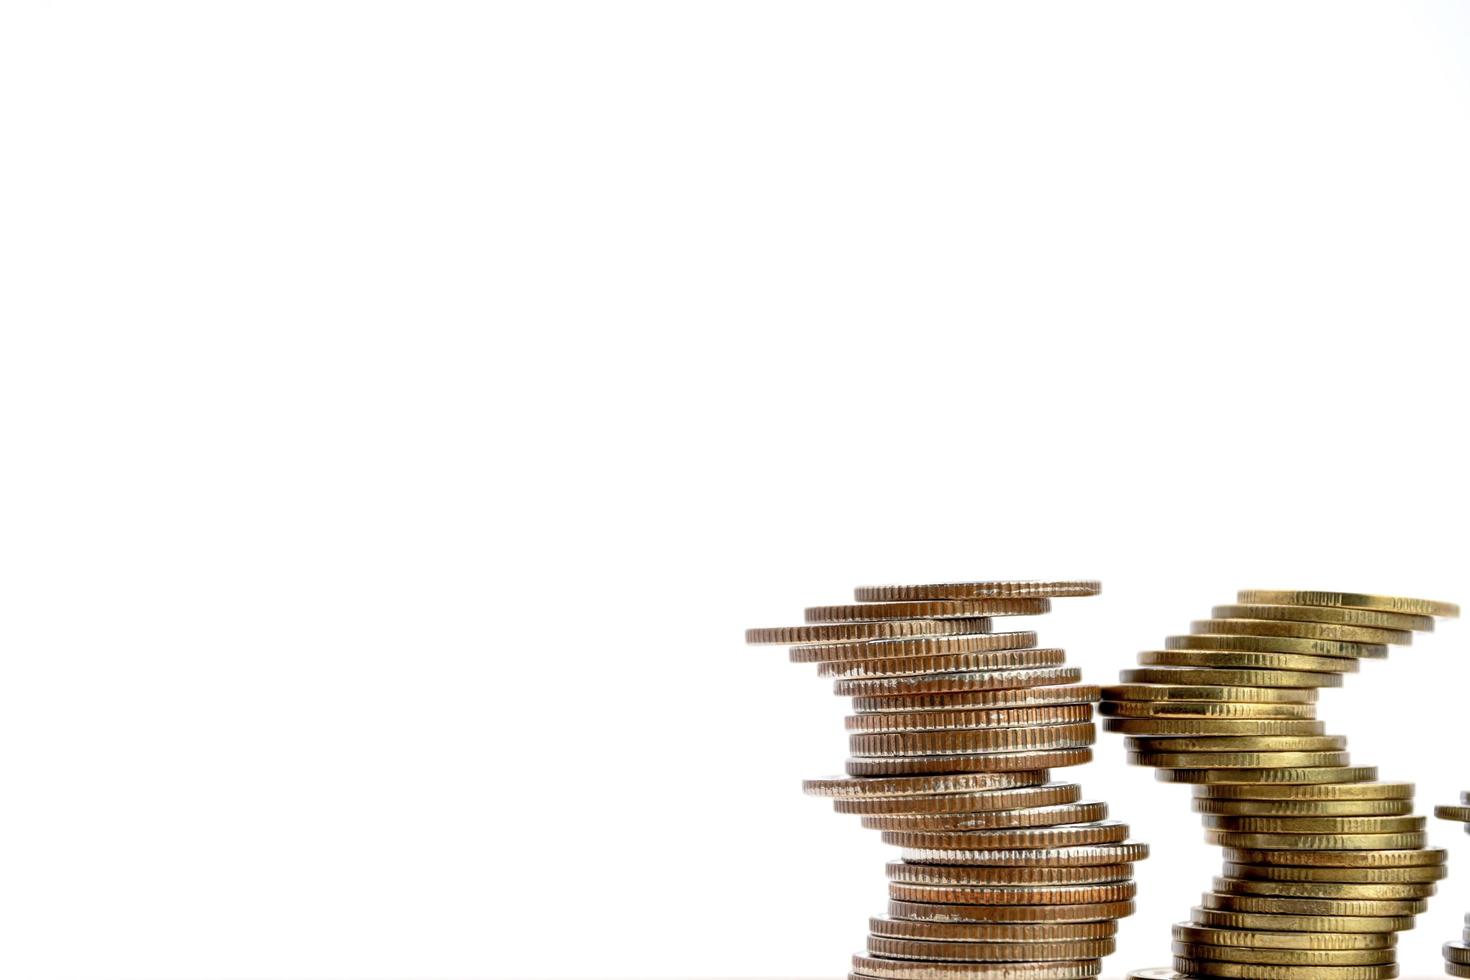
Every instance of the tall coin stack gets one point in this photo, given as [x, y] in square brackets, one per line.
[1324, 865]
[1005, 875]
[1457, 955]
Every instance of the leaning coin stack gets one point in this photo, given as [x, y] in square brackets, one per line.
[1005, 874]
[1457, 954]
[1324, 865]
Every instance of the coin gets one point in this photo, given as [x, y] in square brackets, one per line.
[939, 912]
[1314, 825]
[1327, 614]
[1210, 710]
[993, 680]
[1309, 631]
[988, 932]
[1048, 794]
[1456, 952]
[1400, 604]
[1276, 644]
[1303, 808]
[1246, 660]
[980, 762]
[1345, 790]
[1168, 691]
[1229, 678]
[975, 590]
[1324, 889]
[1460, 813]
[1236, 743]
[961, 609]
[1271, 922]
[1120, 891]
[1314, 906]
[1272, 872]
[911, 647]
[1283, 957]
[1068, 694]
[1333, 842]
[846, 787]
[978, 874]
[908, 666]
[1037, 816]
[1237, 760]
[896, 969]
[1211, 726]
[1337, 858]
[1103, 832]
[914, 721]
[1193, 933]
[883, 630]
[1056, 857]
[970, 740]
[1293, 775]
[1259, 971]
[989, 952]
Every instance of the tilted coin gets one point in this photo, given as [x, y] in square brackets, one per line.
[1271, 922]
[1314, 825]
[1413, 857]
[907, 665]
[1355, 600]
[1102, 832]
[1460, 813]
[1260, 971]
[991, 680]
[970, 740]
[1324, 889]
[963, 608]
[1169, 690]
[1190, 932]
[1284, 957]
[1332, 842]
[911, 647]
[1209, 710]
[1229, 678]
[1276, 644]
[895, 969]
[1236, 743]
[847, 787]
[1239, 659]
[1066, 694]
[1047, 794]
[1294, 775]
[1120, 891]
[1056, 857]
[989, 952]
[1237, 760]
[979, 874]
[975, 590]
[1344, 790]
[1285, 873]
[1036, 816]
[904, 765]
[886, 630]
[992, 932]
[1313, 906]
[939, 912]
[1339, 615]
[1303, 808]
[1211, 726]
[920, 721]
[1310, 631]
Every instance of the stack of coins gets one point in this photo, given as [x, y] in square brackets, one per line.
[1457, 954]
[1324, 865]
[1005, 874]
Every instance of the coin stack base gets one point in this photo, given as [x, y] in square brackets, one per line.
[1457, 953]
[1005, 873]
[1324, 865]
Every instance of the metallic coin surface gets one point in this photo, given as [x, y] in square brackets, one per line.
[883, 968]
[1238, 659]
[962, 609]
[1260, 971]
[918, 949]
[1237, 760]
[1314, 825]
[1272, 922]
[1120, 891]
[1236, 743]
[1170, 690]
[1258, 777]
[979, 874]
[976, 590]
[926, 721]
[1193, 933]
[1276, 644]
[992, 680]
[1289, 873]
[885, 630]
[940, 912]
[981, 762]
[1174, 710]
[1046, 794]
[1456, 952]
[1102, 832]
[1037, 816]
[1302, 808]
[1284, 957]
[1346, 790]
[1337, 858]
[1056, 857]
[911, 647]
[1211, 726]
[1313, 906]
[1460, 813]
[1205, 676]
[947, 663]
[1014, 698]
[1309, 631]
[847, 787]
[1316, 842]
[992, 932]
[971, 740]
[1324, 889]
[1339, 615]
[1355, 600]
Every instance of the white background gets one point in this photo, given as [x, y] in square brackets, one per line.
[406, 406]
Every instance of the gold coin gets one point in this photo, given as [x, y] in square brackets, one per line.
[962, 609]
[1314, 825]
[1169, 691]
[939, 912]
[915, 765]
[1456, 969]
[1337, 615]
[1023, 838]
[1192, 933]
[1344, 790]
[1456, 952]
[1460, 813]
[1335, 842]
[886, 969]
[912, 648]
[887, 630]
[1337, 858]
[1314, 906]
[1303, 808]
[918, 949]
[1284, 957]
[1237, 743]
[959, 663]
[1048, 794]
[1070, 694]
[1051, 857]
[1018, 895]
[846, 787]
[992, 680]
[975, 590]
[1292, 775]
[1309, 631]
[1325, 889]
[1237, 760]
[1270, 922]
[1284, 873]
[1356, 600]
[970, 740]
[1208, 710]
[997, 932]
[1276, 644]
[1261, 971]
[1204, 676]
[1250, 661]
[1210, 726]
[1036, 816]
[924, 721]
[976, 874]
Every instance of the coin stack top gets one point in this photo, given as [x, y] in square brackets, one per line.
[1005, 874]
[1324, 864]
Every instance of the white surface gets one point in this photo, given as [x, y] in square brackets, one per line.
[406, 407]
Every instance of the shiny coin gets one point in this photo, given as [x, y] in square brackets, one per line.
[1313, 906]
[908, 666]
[1105, 832]
[1332, 842]
[1192, 933]
[1049, 794]
[971, 740]
[1277, 644]
[1460, 813]
[1314, 825]
[975, 590]
[895, 969]
[1456, 952]
[962, 609]
[1237, 743]
[994, 680]
[1017, 895]
[1324, 889]
[1346, 790]
[981, 762]
[1337, 615]
[1255, 777]
[1234, 659]
[1261, 971]
[936, 912]
[1456, 969]
[974, 874]
[846, 787]
[1038, 816]
[1284, 873]
[1303, 808]
[1413, 858]
[1169, 690]
[1309, 631]
[1069, 695]
[1211, 726]
[1205, 676]
[849, 632]
[1355, 600]
[1269, 922]
[1086, 855]
[921, 721]
[986, 932]
[918, 949]
[912, 647]
[1237, 760]
[1208, 710]
[1284, 957]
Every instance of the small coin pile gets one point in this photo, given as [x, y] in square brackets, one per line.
[1324, 864]
[1005, 874]
[1457, 954]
